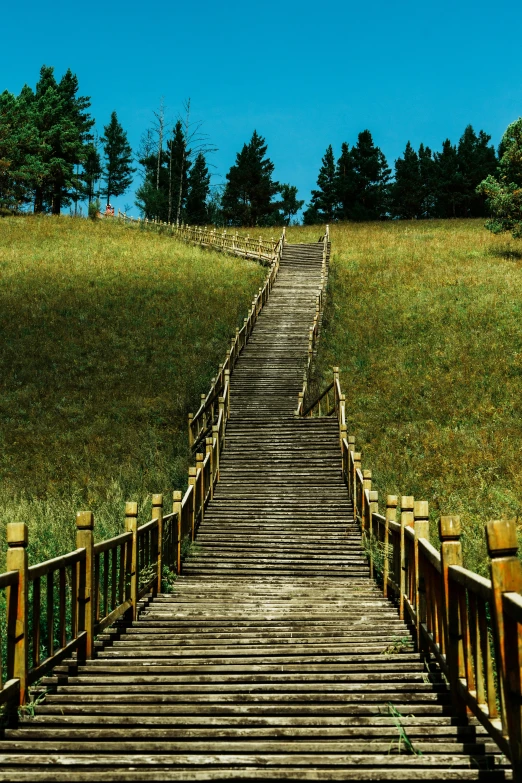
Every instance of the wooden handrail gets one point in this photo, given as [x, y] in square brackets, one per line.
[453, 611]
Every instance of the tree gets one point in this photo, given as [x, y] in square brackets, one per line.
[63, 126]
[345, 183]
[198, 189]
[92, 171]
[117, 169]
[476, 160]
[427, 178]
[323, 203]
[247, 199]
[406, 192]
[371, 178]
[448, 181]
[504, 193]
[289, 204]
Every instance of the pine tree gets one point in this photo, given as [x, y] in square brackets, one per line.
[372, 176]
[92, 171]
[406, 192]
[117, 169]
[289, 204]
[63, 126]
[198, 190]
[476, 160]
[448, 182]
[504, 193]
[247, 200]
[345, 183]
[323, 204]
[427, 177]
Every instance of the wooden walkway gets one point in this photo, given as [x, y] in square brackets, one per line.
[276, 658]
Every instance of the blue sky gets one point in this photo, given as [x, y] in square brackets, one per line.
[303, 74]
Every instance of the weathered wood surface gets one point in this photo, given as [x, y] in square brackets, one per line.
[276, 657]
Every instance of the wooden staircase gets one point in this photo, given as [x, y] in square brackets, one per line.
[276, 657]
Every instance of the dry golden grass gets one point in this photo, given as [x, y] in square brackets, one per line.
[424, 319]
[109, 335]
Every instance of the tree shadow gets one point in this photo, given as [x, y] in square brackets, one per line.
[508, 254]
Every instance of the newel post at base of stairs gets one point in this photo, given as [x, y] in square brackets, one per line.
[86, 609]
[18, 626]
[131, 526]
[506, 578]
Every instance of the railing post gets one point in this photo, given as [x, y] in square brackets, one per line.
[177, 497]
[406, 521]
[157, 513]
[17, 630]
[391, 516]
[367, 485]
[190, 433]
[451, 555]
[422, 530]
[85, 540]
[131, 526]
[374, 509]
[227, 384]
[199, 467]
[192, 483]
[215, 434]
[356, 467]
[209, 451]
[506, 577]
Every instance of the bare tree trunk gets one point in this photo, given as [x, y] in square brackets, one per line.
[183, 160]
[160, 116]
[170, 178]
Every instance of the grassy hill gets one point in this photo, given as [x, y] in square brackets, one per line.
[109, 335]
[425, 320]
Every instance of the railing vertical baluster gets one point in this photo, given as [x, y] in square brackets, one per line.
[391, 516]
[17, 629]
[176, 509]
[373, 509]
[50, 612]
[192, 483]
[451, 554]
[406, 521]
[62, 595]
[422, 530]
[37, 622]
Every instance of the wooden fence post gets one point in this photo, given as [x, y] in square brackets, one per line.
[192, 483]
[177, 497]
[391, 516]
[367, 484]
[450, 555]
[374, 509]
[227, 401]
[506, 577]
[190, 433]
[422, 530]
[199, 467]
[85, 540]
[406, 521]
[17, 630]
[131, 526]
[215, 434]
[356, 467]
[157, 513]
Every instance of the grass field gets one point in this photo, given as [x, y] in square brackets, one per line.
[109, 335]
[425, 321]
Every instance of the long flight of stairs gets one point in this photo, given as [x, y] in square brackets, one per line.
[276, 657]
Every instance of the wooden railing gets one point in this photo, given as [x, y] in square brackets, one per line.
[55, 609]
[258, 249]
[470, 625]
[313, 334]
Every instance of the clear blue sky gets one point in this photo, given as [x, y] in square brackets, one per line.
[303, 74]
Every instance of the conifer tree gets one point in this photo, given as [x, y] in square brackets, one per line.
[323, 203]
[198, 189]
[476, 160]
[372, 177]
[92, 171]
[63, 126]
[346, 184]
[448, 181]
[289, 204]
[247, 199]
[427, 177]
[406, 192]
[117, 169]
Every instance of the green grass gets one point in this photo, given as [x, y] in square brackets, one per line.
[425, 321]
[109, 335]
